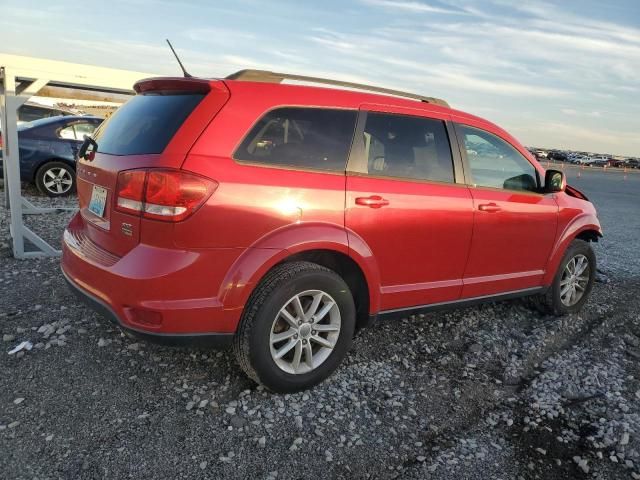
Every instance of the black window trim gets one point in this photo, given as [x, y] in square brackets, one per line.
[357, 165]
[295, 168]
[456, 126]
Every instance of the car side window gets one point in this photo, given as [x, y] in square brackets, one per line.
[403, 146]
[314, 138]
[83, 129]
[68, 133]
[76, 131]
[495, 163]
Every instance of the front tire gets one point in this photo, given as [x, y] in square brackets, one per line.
[56, 179]
[296, 327]
[573, 281]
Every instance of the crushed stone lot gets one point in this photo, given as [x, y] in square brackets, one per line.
[495, 391]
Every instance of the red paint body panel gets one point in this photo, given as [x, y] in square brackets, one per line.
[252, 202]
[420, 241]
[510, 246]
[423, 242]
[157, 279]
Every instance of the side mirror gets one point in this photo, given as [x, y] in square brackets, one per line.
[554, 181]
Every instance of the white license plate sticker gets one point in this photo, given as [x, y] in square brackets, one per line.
[98, 200]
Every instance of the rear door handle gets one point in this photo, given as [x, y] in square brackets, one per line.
[374, 201]
[489, 207]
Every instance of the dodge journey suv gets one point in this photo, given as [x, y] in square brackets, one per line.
[280, 218]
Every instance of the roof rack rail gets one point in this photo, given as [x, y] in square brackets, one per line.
[273, 77]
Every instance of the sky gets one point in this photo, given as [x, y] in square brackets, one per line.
[555, 75]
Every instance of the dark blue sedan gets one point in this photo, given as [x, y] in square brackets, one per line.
[48, 151]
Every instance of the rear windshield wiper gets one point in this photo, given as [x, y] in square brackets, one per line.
[84, 152]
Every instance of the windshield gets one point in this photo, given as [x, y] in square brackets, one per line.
[145, 124]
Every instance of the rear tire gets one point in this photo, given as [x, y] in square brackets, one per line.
[274, 322]
[56, 179]
[576, 274]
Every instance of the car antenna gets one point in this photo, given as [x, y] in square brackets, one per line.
[184, 70]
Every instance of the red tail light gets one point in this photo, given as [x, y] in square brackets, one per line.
[130, 191]
[169, 195]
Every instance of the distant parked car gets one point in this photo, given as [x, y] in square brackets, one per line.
[562, 157]
[617, 163]
[535, 154]
[48, 151]
[572, 157]
[600, 161]
[633, 163]
[583, 160]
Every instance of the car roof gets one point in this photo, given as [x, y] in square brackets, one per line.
[348, 98]
[274, 77]
[271, 92]
[340, 95]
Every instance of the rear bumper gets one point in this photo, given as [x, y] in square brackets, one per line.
[167, 295]
[214, 340]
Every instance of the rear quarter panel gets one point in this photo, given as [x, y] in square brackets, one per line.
[269, 211]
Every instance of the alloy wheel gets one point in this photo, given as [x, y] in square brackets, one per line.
[57, 180]
[305, 332]
[574, 281]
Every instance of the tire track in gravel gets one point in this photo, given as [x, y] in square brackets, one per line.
[596, 335]
[559, 344]
[553, 343]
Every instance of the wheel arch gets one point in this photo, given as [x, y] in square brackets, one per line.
[324, 244]
[584, 227]
[348, 269]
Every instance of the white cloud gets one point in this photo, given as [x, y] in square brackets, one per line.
[592, 135]
[379, 52]
[573, 113]
[526, 64]
[218, 35]
[412, 7]
[498, 87]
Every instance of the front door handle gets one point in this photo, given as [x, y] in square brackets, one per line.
[374, 201]
[489, 207]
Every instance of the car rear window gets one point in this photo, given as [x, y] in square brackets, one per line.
[145, 124]
[314, 138]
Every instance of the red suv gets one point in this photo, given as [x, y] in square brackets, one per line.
[280, 218]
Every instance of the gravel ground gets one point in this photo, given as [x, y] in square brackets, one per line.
[496, 391]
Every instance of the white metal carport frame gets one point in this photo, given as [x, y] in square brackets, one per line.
[20, 79]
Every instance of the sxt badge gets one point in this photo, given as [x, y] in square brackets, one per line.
[127, 229]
